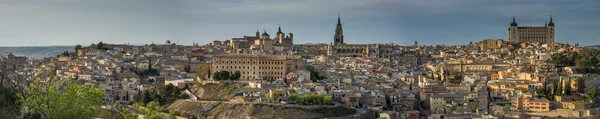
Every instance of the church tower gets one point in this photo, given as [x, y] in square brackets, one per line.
[338, 37]
[280, 35]
[513, 32]
[257, 34]
[551, 29]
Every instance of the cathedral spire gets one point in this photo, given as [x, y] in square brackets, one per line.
[338, 37]
[339, 22]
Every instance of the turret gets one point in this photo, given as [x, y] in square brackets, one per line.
[514, 23]
[265, 35]
[551, 29]
[551, 23]
[280, 35]
[513, 33]
[257, 34]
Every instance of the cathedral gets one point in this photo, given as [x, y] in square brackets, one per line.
[340, 49]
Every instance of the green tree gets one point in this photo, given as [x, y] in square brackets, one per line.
[147, 97]
[129, 115]
[327, 99]
[61, 99]
[217, 76]
[540, 92]
[77, 47]
[580, 85]
[170, 90]
[100, 45]
[65, 53]
[152, 110]
[8, 103]
[557, 88]
[224, 75]
[314, 74]
[236, 75]
[568, 88]
[172, 115]
[592, 92]
[273, 96]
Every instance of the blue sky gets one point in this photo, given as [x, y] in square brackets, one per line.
[71, 22]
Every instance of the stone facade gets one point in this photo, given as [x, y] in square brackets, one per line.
[254, 67]
[491, 44]
[531, 34]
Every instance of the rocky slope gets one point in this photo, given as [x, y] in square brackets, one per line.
[216, 92]
[189, 107]
[267, 111]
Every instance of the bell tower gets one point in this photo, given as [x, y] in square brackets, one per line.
[338, 37]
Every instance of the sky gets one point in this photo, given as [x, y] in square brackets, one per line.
[137, 22]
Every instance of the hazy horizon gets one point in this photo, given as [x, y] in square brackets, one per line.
[138, 22]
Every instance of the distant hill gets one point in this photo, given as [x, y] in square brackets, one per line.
[594, 47]
[36, 52]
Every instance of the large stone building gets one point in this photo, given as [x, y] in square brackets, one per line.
[491, 44]
[254, 66]
[13, 62]
[341, 49]
[262, 41]
[531, 34]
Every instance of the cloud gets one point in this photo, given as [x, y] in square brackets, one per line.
[39, 22]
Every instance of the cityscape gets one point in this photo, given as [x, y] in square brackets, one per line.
[529, 73]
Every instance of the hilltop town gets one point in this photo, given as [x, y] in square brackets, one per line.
[260, 76]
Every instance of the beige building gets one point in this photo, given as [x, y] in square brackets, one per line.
[253, 66]
[491, 44]
[529, 103]
[531, 34]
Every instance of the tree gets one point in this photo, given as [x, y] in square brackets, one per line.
[8, 103]
[170, 90]
[224, 75]
[272, 95]
[592, 92]
[61, 99]
[217, 76]
[236, 75]
[129, 115]
[100, 45]
[327, 99]
[147, 98]
[568, 88]
[172, 115]
[152, 110]
[314, 74]
[540, 92]
[155, 96]
[557, 88]
[77, 47]
[580, 85]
